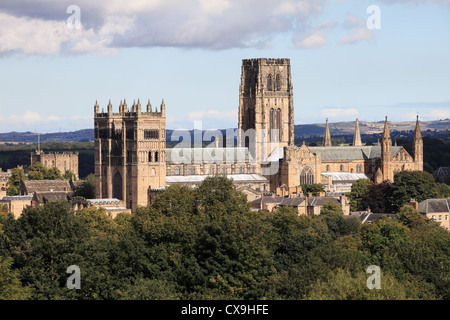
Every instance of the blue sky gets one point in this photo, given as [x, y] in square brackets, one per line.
[189, 52]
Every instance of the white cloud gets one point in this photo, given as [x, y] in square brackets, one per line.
[339, 112]
[437, 114]
[38, 27]
[358, 30]
[212, 114]
[313, 40]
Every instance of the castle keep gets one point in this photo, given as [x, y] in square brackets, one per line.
[132, 162]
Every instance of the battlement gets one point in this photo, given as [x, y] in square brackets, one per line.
[133, 112]
[265, 61]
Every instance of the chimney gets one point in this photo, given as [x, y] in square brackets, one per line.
[414, 204]
[309, 195]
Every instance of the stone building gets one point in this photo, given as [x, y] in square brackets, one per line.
[437, 210]
[29, 187]
[66, 161]
[132, 163]
[16, 204]
[129, 152]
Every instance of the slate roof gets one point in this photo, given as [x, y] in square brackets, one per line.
[268, 200]
[434, 206]
[12, 198]
[32, 186]
[200, 178]
[312, 201]
[292, 202]
[349, 152]
[50, 196]
[207, 155]
[345, 176]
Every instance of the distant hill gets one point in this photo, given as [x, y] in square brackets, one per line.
[80, 135]
[300, 131]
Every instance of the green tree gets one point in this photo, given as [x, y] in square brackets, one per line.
[17, 175]
[416, 185]
[443, 190]
[330, 207]
[359, 189]
[87, 188]
[342, 284]
[69, 175]
[314, 189]
[10, 286]
[379, 198]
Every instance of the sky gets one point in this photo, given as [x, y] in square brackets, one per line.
[349, 59]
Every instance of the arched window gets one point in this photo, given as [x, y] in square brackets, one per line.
[269, 83]
[278, 124]
[211, 170]
[272, 125]
[341, 168]
[351, 170]
[150, 158]
[156, 156]
[306, 176]
[224, 170]
[192, 171]
[241, 169]
[117, 186]
[328, 168]
[278, 82]
[177, 171]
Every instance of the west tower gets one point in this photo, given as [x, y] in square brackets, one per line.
[266, 105]
[129, 150]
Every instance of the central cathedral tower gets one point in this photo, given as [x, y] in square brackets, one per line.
[266, 106]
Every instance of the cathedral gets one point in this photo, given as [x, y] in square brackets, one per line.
[132, 161]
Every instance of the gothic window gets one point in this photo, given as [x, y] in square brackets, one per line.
[177, 171]
[241, 170]
[192, 171]
[272, 125]
[130, 134]
[117, 186]
[278, 124]
[156, 156]
[224, 170]
[351, 170]
[151, 134]
[269, 82]
[278, 82]
[341, 168]
[306, 176]
[328, 168]
[150, 158]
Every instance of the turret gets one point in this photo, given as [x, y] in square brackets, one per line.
[163, 108]
[138, 107]
[417, 147]
[149, 106]
[110, 110]
[327, 137]
[386, 153]
[96, 109]
[124, 106]
[357, 137]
